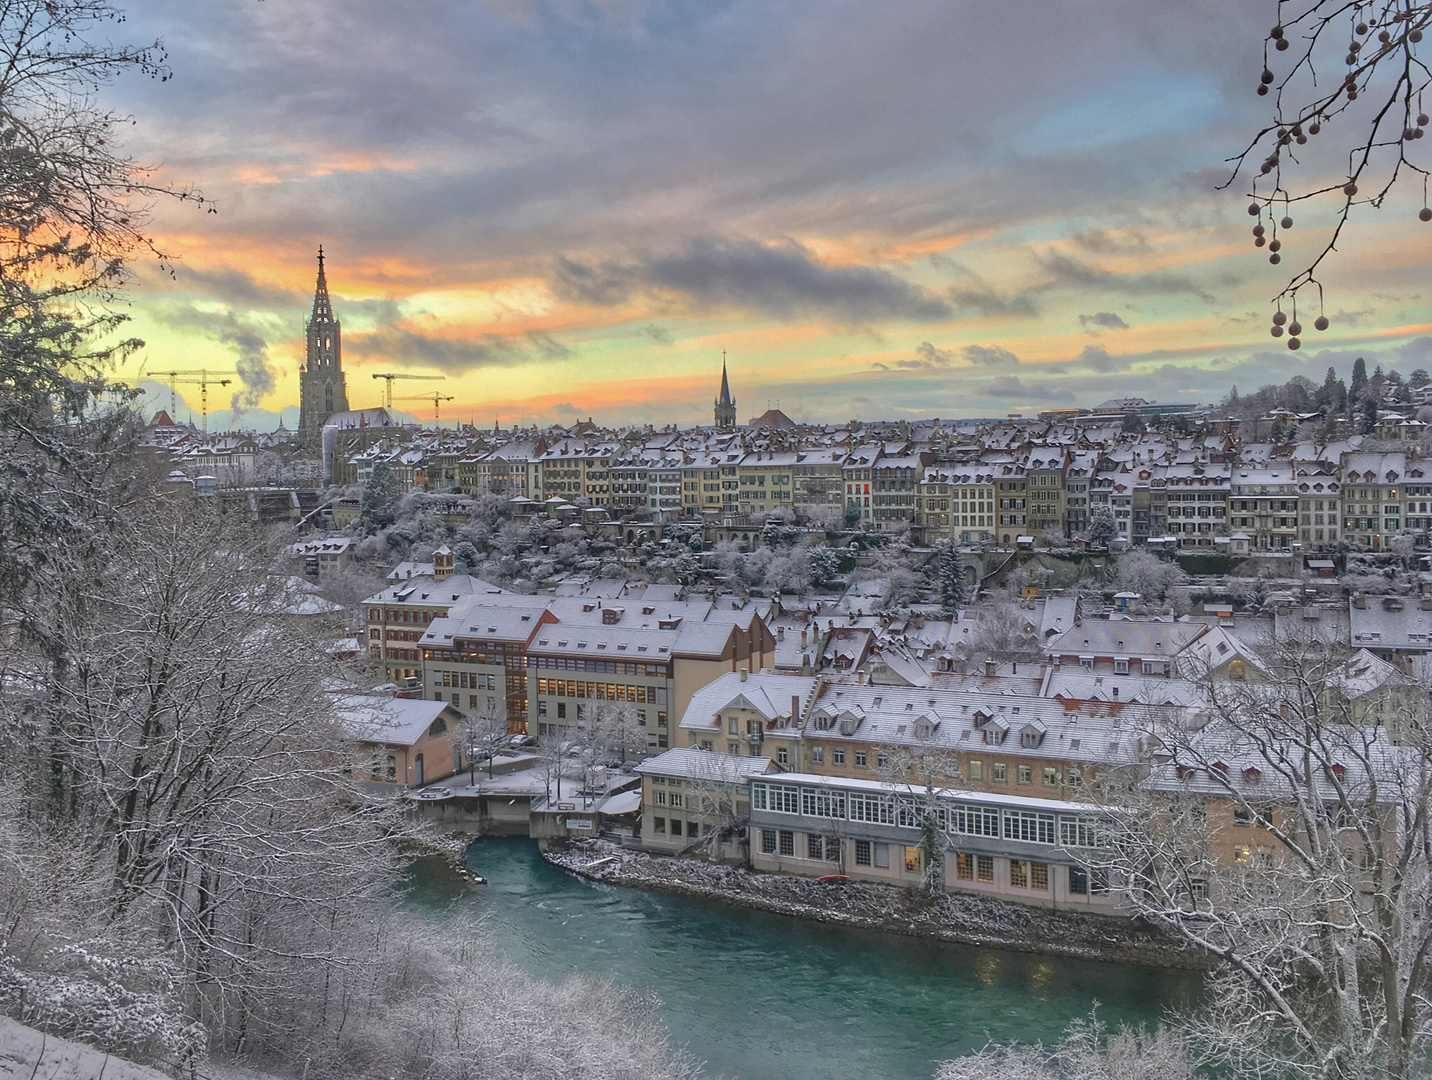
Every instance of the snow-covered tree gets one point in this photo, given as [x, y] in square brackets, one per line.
[484, 734]
[1289, 841]
[954, 587]
[1103, 527]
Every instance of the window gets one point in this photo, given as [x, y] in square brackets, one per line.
[1039, 876]
[783, 756]
[862, 850]
[1198, 889]
[1025, 774]
[787, 842]
[768, 841]
[837, 755]
[832, 849]
[976, 770]
[693, 828]
[1242, 817]
[882, 856]
[815, 848]
[984, 867]
[1121, 666]
[659, 824]
[996, 772]
[1019, 873]
[1078, 832]
[817, 754]
[1242, 853]
[1029, 826]
[1050, 778]
[972, 820]
[859, 757]
[676, 798]
[1078, 881]
[659, 798]
[818, 803]
[881, 760]
[964, 867]
[675, 826]
[912, 860]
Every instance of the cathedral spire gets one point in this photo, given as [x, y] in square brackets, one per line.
[322, 309]
[725, 404]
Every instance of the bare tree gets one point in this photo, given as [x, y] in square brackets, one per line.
[483, 735]
[914, 776]
[1337, 53]
[1290, 841]
[1087, 1052]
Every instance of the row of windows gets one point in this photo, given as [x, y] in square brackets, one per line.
[654, 695]
[1028, 826]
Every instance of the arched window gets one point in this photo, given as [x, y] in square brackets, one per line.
[438, 727]
[418, 771]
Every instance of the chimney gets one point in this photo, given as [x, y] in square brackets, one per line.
[780, 633]
[743, 675]
[803, 639]
[795, 707]
[989, 669]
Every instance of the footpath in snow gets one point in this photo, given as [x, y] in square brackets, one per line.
[962, 917]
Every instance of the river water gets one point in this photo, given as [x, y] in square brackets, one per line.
[758, 996]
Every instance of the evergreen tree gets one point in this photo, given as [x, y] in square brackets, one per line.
[1359, 380]
[954, 593]
[381, 493]
[1418, 379]
[1332, 397]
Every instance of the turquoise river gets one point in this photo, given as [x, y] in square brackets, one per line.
[768, 997]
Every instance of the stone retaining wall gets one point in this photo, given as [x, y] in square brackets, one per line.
[961, 917]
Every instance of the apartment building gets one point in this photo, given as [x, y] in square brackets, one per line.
[1044, 484]
[958, 502]
[1319, 505]
[1263, 504]
[1372, 494]
[1012, 514]
[859, 475]
[546, 663]
[1002, 740]
[819, 479]
[397, 617]
[1197, 505]
[766, 482]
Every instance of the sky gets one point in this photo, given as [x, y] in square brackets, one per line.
[877, 211]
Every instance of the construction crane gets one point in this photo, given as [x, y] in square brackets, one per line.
[434, 398]
[200, 377]
[388, 388]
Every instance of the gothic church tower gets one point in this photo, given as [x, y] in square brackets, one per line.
[322, 390]
[725, 404]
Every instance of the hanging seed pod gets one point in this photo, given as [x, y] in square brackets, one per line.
[1275, 258]
[1277, 331]
[1275, 245]
[1294, 344]
[1320, 323]
[1258, 229]
[1286, 223]
[1425, 214]
[1349, 189]
[1253, 209]
[1258, 241]
[1314, 128]
[1295, 328]
[1279, 318]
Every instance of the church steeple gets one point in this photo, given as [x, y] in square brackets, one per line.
[725, 404]
[322, 309]
[323, 390]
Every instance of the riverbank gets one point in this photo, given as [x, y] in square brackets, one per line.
[956, 917]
